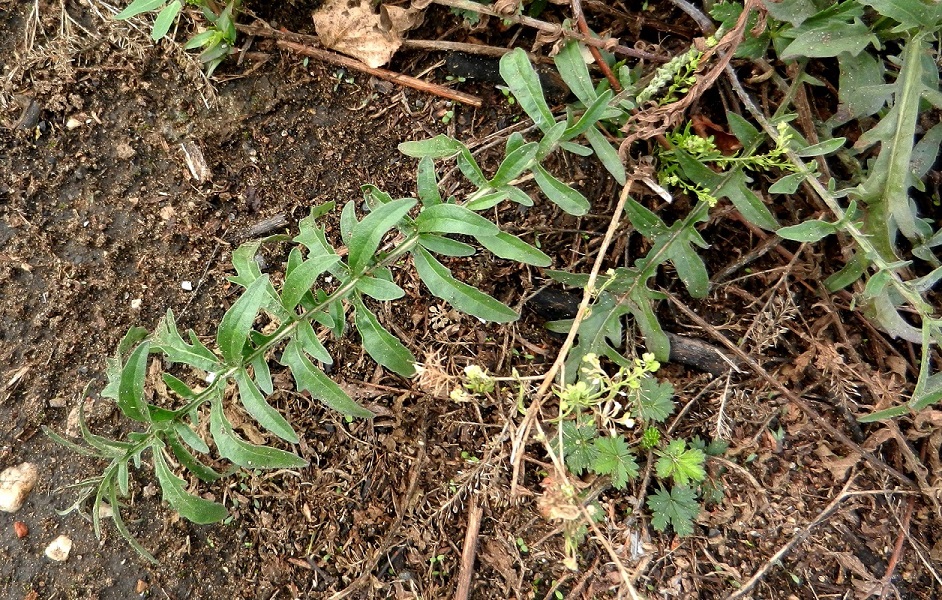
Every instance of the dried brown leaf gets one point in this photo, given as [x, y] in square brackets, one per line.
[356, 30]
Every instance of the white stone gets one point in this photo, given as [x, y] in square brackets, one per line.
[58, 550]
[187, 285]
[15, 485]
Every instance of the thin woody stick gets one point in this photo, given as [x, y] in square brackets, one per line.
[399, 78]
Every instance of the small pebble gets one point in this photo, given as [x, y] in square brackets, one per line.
[21, 529]
[15, 485]
[136, 304]
[187, 285]
[58, 550]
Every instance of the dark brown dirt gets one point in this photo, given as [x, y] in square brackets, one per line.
[103, 227]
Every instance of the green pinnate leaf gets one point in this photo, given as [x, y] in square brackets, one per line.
[187, 460]
[452, 218]
[681, 464]
[614, 458]
[300, 280]
[368, 233]
[310, 378]
[255, 404]
[464, 297]
[677, 508]
[167, 339]
[191, 507]
[242, 453]
[385, 348]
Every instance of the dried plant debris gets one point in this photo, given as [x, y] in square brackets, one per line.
[359, 31]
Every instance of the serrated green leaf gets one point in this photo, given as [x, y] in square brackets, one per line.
[452, 218]
[464, 297]
[445, 246]
[138, 7]
[440, 146]
[559, 193]
[655, 400]
[515, 163]
[510, 247]
[244, 454]
[247, 269]
[385, 348]
[236, 324]
[924, 14]
[682, 464]
[368, 233]
[578, 446]
[191, 507]
[830, 39]
[310, 378]
[165, 20]
[677, 508]
[131, 387]
[524, 83]
[810, 231]
[301, 279]
[614, 458]
[254, 403]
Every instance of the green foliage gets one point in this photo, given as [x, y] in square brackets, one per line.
[216, 40]
[681, 464]
[238, 366]
[677, 508]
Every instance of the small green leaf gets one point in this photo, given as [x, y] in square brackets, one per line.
[368, 233]
[572, 68]
[165, 20]
[310, 378]
[236, 324]
[606, 154]
[301, 279]
[139, 6]
[822, 148]
[788, 184]
[255, 404]
[514, 164]
[614, 458]
[809, 231]
[188, 461]
[524, 83]
[191, 438]
[682, 464]
[579, 446]
[452, 218]
[745, 132]
[559, 193]
[247, 269]
[655, 400]
[678, 508]
[178, 387]
[244, 454]
[427, 183]
[440, 146]
[470, 169]
[380, 289]
[311, 343]
[445, 246]
[510, 247]
[167, 339]
[591, 116]
[131, 389]
[465, 298]
[191, 507]
[384, 347]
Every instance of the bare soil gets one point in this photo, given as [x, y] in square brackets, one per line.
[103, 227]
